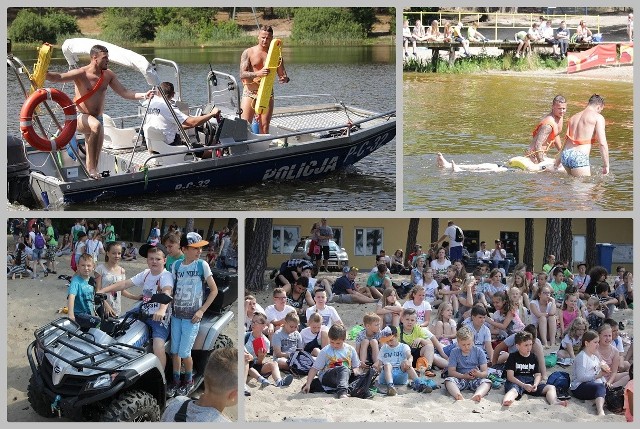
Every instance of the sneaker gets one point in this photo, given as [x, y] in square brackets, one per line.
[172, 389]
[246, 391]
[264, 383]
[286, 381]
[517, 54]
[391, 390]
[184, 389]
[341, 394]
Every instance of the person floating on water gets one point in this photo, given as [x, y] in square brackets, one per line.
[92, 81]
[545, 136]
[584, 129]
[252, 69]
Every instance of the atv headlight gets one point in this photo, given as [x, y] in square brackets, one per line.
[102, 382]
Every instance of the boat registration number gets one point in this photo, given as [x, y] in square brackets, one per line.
[190, 185]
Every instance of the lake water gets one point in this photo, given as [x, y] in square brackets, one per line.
[473, 118]
[362, 76]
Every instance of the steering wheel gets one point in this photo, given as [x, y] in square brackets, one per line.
[209, 133]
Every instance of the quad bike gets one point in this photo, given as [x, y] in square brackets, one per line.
[109, 373]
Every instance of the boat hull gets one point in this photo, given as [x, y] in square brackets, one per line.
[294, 162]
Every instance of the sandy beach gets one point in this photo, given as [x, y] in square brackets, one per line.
[31, 303]
[290, 404]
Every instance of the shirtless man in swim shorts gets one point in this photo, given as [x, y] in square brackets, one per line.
[547, 134]
[584, 129]
[252, 69]
[90, 110]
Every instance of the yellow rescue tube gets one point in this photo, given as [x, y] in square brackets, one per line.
[266, 83]
[41, 66]
[520, 162]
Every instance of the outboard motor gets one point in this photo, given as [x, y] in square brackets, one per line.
[18, 173]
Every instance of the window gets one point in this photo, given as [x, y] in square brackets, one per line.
[284, 239]
[369, 241]
[337, 235]
[472, 241]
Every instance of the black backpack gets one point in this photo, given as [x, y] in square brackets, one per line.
[614, 399]
[300, 362]
[359, 387]
[459, 235]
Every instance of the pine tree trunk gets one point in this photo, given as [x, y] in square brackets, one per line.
[552, 238]
[591, 259]
[528, 244]
[566, 245]
[189, 225]
[412, 235]
[435, 227]
[210, 230]
[257, 241]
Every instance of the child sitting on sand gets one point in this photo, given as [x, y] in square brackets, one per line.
[388, 308]
[480, 331]
[394, 363]
[287, 340]
[467, 368]
[314, 338]
[593, 313]
[422, 342]
[445, 324]
[572, 339]
[523, 374]
[328, 313]
[367, 344]
[258, 368]
[334, 364]
[416, 300]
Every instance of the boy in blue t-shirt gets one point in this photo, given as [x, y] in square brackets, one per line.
[81, 294]
[467, 368]
[190, 276]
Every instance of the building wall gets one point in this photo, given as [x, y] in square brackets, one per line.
[618, 231]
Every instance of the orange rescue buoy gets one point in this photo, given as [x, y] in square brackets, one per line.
[26, 119]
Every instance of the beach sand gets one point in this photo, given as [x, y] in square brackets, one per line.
[290, 404]
[31, 303]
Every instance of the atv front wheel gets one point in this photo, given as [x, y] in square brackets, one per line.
[38, 401]
[132, 406]
[222, 341]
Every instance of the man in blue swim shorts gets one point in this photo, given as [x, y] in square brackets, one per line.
[584, 129]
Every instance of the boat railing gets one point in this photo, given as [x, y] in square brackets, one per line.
[270, 137]
[231, 86]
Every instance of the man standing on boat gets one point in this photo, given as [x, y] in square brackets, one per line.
[252, 69]
[91, 83]
[159, 116]
[584, 129]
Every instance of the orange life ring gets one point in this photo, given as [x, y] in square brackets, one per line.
[26, 119]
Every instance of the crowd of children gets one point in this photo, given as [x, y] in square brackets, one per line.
[480, 330]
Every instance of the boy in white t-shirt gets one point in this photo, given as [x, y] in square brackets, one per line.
[154, 279]
[328, 313]
[277, 311]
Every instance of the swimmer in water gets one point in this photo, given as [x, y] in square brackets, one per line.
[523, 162]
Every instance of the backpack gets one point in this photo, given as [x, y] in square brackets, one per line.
[55, 233]
[300, 362]
[459, 235]
[181, 414]
[359, 387]
[614, 399]
[39, 241]
[560, 379]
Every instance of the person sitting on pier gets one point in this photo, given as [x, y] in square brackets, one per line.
[407, 37]
[546, 30]
[474, 35]
[433, 32]
[563, 35]
[583, 34]
[457, 37]
[419, 33]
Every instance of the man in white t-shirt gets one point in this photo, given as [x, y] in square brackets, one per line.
[484, 254]
[499, 257]
[159, 116]
[455, 247]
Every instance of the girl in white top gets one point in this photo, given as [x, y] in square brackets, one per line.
[587, 381]
[445, 325]
[543, 315]
[415, 300]
[572, 338]
[109, 273]
[430, 287]
[440, 264]
[94, 246]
